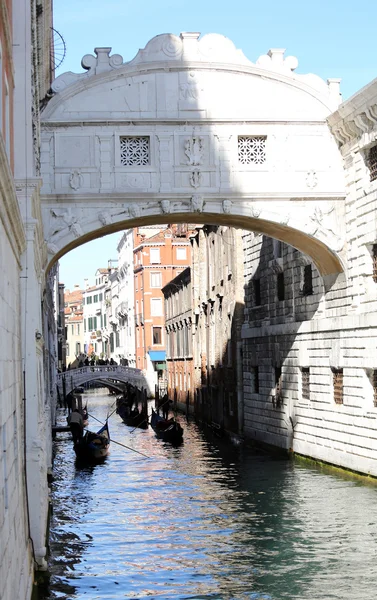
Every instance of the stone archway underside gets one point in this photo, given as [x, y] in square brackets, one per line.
[191, 131]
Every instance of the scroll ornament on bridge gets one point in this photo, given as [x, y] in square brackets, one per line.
[101, 62]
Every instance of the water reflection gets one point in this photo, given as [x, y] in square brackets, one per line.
[205, 520]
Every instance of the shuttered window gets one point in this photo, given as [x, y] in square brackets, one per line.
[338, 385]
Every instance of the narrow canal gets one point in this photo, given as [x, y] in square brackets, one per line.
[205, 520]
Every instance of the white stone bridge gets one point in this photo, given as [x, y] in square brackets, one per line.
[190, 130]
[113, 374]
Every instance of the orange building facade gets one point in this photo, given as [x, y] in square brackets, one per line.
[157, 260]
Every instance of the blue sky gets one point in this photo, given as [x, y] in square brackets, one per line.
[330, 38]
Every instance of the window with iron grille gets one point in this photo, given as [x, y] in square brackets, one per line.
[372, 163]
[305, 383]
[374, 258]
[280, 286]
[374, 381]
[278, 383]
[337, 377]
[256, 288]
[134, 151]
[254, 380]
[251, 150]
[307, 288]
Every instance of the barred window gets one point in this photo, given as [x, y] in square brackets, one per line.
[307, 288]
[256, 288]
[372, 163]
[251, 150]
[305, 383]
[280, 286]
[337, 375]
[134, 151]
[374, 381]
[374, 258]
[278, 386]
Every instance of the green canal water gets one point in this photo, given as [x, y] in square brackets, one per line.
[205, 520]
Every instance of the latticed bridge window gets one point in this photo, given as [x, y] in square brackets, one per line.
[251, 150]
[337, 375]
[134, 151]
[372, 160]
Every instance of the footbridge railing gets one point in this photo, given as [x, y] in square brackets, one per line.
[116, 373]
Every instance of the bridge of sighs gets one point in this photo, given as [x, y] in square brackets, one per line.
[190, 130]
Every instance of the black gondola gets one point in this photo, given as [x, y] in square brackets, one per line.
[94, 446]
[168, 430]
[131, 416]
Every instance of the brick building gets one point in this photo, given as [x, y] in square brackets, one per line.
[157, 260]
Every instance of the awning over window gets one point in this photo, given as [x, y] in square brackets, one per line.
[157, 355]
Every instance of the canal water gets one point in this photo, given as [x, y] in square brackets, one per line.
[206, 520]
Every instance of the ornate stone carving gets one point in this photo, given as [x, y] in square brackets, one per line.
[65, 220]
[276, 265]
[76, 180]
[51, 248]
[197, 203]
[254, 211]
[172, 46]
[134, 210]
[105, 218]
[311, 179]
[326, 229]
[93, 64]
[195, 178]
[194, 150]
[165, 206]
[227, 206]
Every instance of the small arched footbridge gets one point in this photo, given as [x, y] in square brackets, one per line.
[117, 373]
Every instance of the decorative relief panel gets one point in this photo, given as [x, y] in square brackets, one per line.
[135, 151]
[135, 181]
[73, 151]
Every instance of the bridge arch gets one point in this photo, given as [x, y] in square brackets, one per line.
[191, 131]
[78, 377]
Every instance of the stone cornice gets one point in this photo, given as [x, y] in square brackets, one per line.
[10, 213]
[355, 121]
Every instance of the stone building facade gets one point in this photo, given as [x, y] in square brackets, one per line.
[179, 340]
[204, 310]
[28, 295]
[310, 354]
